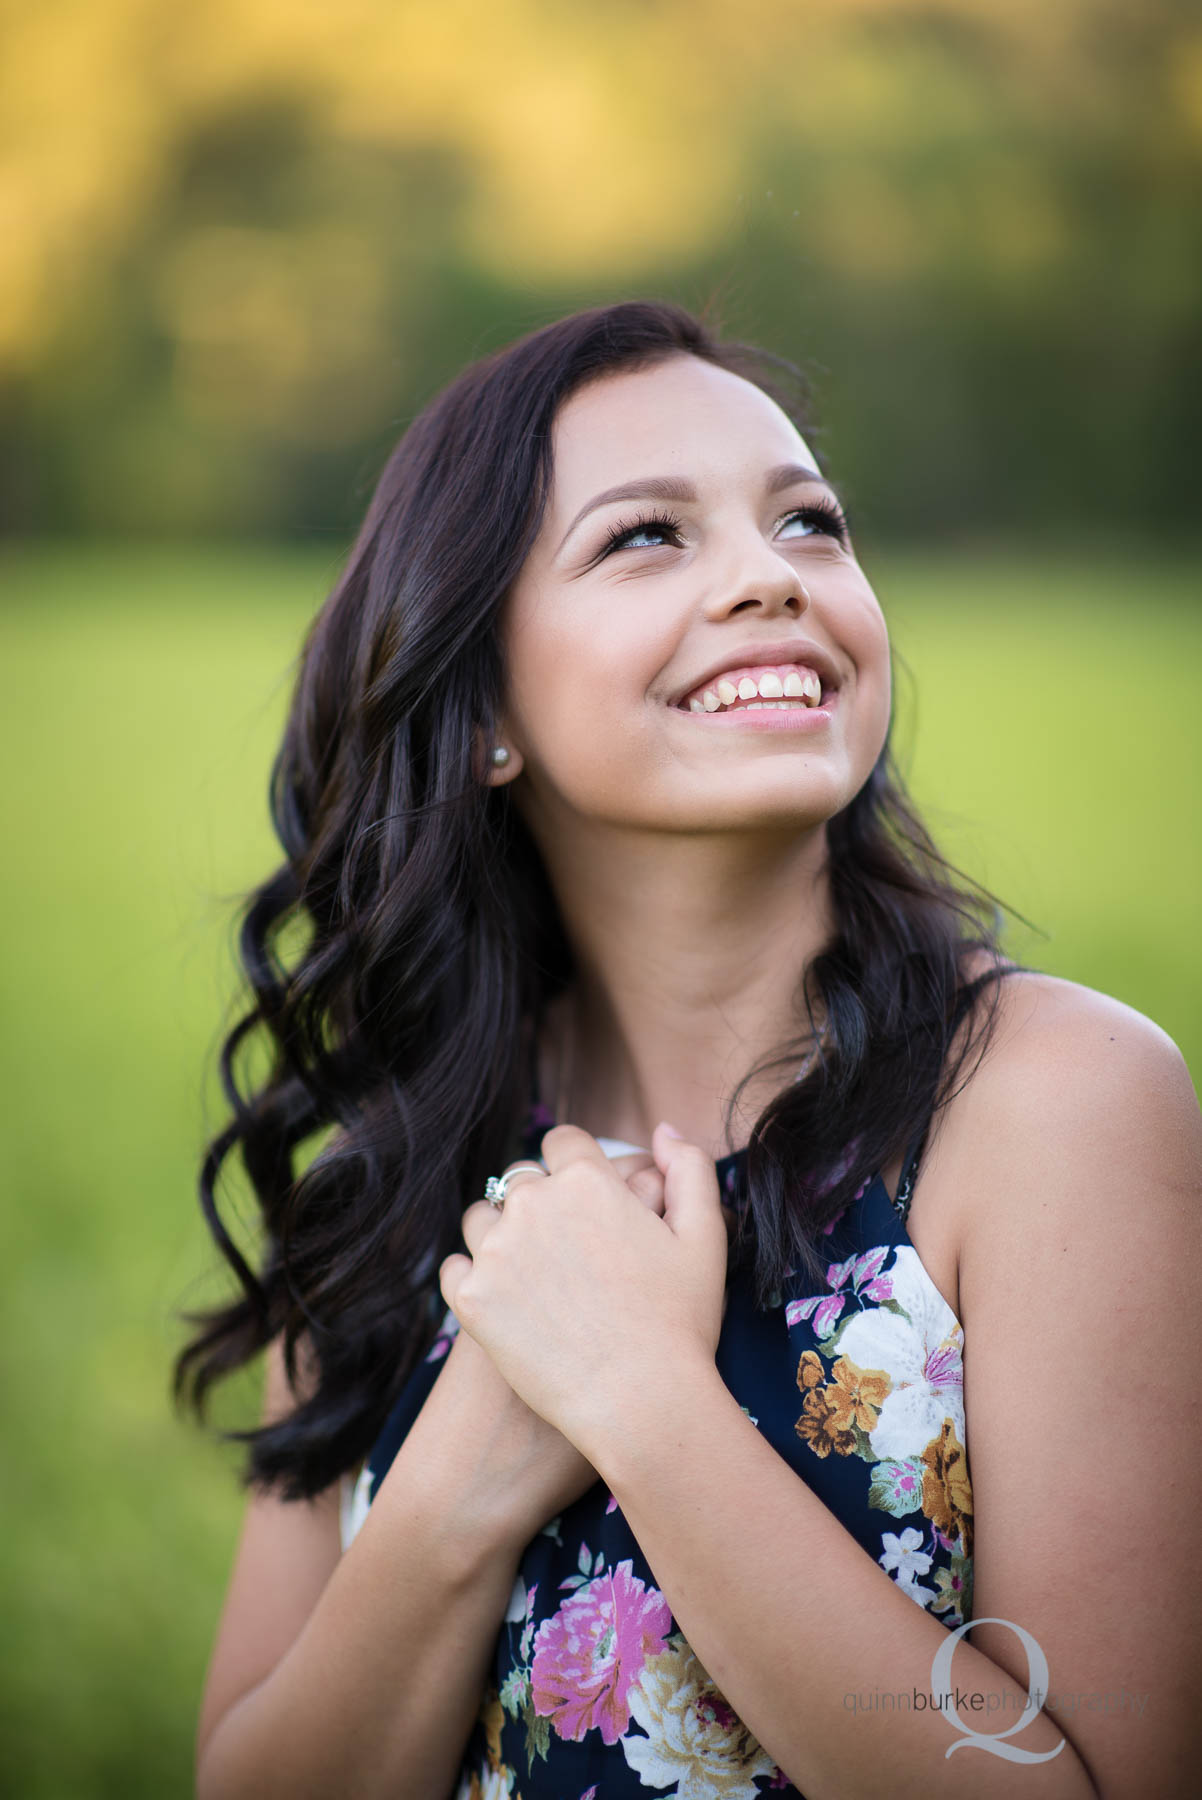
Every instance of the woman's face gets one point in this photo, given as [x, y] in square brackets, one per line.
[605, 636]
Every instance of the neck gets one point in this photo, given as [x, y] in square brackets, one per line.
[689, 971]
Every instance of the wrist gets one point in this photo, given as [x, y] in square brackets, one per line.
[466, 1453]
[647, 1407]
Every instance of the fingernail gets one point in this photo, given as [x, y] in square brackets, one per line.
[670, 1129]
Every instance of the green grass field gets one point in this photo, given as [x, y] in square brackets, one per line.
[1052, 738]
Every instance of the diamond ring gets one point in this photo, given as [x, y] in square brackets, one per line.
[496, 1186]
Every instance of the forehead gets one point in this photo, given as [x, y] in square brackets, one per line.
[683, 416]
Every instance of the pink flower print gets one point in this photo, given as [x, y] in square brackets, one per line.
[944, 1366]
[867, 1283]
[588, 1655]
[821, 1309]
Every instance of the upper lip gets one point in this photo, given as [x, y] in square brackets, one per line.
[767, 651]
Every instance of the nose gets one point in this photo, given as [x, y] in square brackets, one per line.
[754, 576]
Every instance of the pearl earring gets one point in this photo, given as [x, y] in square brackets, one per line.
[500, 756]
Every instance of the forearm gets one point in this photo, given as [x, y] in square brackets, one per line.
[378, 1694]
[790, 1616]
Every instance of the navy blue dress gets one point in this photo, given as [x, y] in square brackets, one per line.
[857, 1382]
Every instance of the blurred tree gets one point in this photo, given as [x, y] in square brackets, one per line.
[244, 240]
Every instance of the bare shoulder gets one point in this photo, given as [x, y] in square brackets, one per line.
[1074, 1153]
[1061, 1090]
[1032, 1003]
[1070, 1072]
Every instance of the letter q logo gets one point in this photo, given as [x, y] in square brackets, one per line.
[1037, 1682]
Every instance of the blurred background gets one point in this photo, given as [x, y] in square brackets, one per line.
[241, 244]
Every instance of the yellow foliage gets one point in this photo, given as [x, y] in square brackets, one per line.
[274, 330]
[596, 138]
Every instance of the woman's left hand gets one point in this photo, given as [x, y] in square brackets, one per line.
[580, 1292]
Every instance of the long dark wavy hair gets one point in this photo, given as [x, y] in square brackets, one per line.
[400, 958]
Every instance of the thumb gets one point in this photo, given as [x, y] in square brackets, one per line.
[692, 1201]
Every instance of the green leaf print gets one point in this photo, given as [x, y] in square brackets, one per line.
[515, 1691]
[538, 1735]
[863, 1446]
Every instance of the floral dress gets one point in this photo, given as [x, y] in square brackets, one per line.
[857, 1382]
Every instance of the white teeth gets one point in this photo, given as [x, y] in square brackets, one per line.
[797, 684]
[763, 705]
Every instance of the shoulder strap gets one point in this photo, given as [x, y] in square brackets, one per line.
[905, 1186]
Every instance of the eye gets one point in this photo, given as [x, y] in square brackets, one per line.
[655, 524]
[823, 516]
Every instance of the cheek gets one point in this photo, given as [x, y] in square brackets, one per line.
[580, 713]
[573, 671]
[867, 639]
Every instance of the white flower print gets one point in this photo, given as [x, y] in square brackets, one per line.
[485, 1784]
[517, 1602]
[905, 1556]
[694, 1736]
[354, 1503]
[922, 1355]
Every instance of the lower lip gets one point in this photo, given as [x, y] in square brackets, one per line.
[768, 718]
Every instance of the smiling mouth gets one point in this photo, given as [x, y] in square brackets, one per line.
[778, 708]
[787, 684]
[791, 704]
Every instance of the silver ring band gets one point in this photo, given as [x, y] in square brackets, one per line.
[496, 1185]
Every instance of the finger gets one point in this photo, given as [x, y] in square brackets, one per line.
[638, 1162]
[451, 1272]
[647, 1184]
[693, 1200]
[478, 1220]
[566, 1144]
[523, 1170]
[629, 1162]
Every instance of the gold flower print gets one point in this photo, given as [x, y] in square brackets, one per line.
[856, 1395]
[832, 1413]
[494, 1781]
[946, 1489]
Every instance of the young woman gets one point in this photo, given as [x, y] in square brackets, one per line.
[702, 1191]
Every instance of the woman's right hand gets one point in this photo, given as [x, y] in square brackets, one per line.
[541, 1472]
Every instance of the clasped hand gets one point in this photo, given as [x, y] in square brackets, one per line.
[579, 1291]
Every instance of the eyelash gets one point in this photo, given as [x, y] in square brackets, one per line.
[823, 513]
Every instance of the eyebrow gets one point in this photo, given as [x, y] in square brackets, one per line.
[674, 487]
